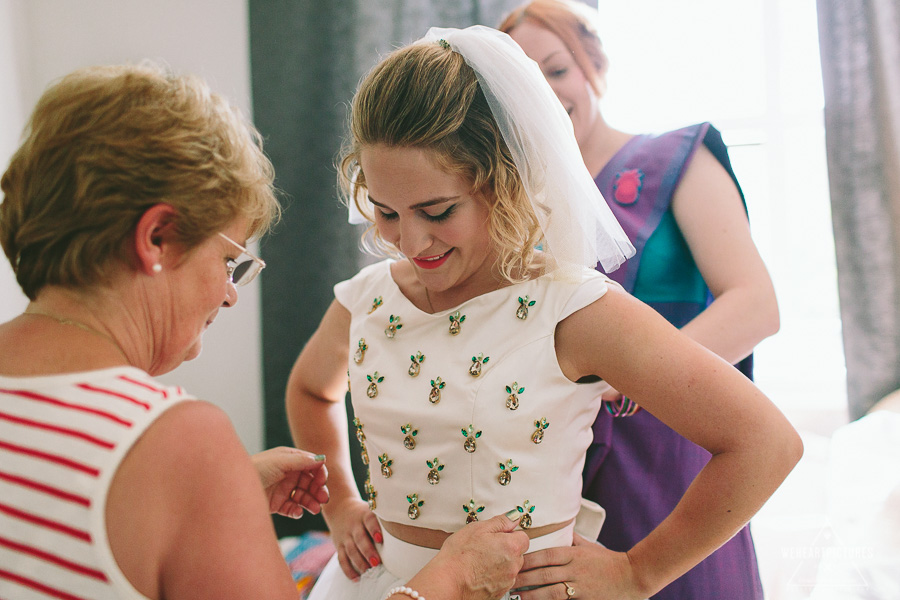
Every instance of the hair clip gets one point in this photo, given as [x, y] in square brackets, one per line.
[444, 44]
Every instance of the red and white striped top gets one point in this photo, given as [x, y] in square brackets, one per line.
[62, 438]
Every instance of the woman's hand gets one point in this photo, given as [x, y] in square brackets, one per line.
[478, 562]
[587, 569]
[354, 531]
[293, 480]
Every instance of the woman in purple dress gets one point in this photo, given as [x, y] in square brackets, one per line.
[677, 198]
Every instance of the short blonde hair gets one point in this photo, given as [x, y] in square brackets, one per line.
[103, 145]
[575, 23]
[425, 96]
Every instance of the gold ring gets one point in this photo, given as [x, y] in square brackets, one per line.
[570, 591]
[293, 491]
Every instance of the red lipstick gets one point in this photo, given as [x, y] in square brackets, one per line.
[432, 262]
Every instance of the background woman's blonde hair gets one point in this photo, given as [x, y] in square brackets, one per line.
[102, 146]
[575, 24]
[425, 96]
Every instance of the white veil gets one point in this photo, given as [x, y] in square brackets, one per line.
[578, 227]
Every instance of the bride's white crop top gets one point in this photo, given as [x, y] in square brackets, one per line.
[465, 413]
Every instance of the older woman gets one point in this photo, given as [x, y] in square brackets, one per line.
[126, 214]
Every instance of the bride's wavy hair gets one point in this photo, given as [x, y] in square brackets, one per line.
[425, 96]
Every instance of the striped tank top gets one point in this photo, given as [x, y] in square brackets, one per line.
[62, 438]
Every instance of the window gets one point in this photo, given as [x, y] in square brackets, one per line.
[751, 68]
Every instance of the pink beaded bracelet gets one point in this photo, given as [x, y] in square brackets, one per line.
[402, 589]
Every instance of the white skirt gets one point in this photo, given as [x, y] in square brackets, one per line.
[400, 562]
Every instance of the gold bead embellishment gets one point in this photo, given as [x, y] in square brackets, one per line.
[434, 396]
[512, 400]
[386, 465]
[416, 365]
[506, 471]
[477, 362]
[525, 519]
[456, 323]
[524, 305]
[434, 475]
[374, 380]
[538, 436]
[409, 442]
[375, 304]
[361, 348]
[394, 325]
[361, 436]
[371, 493]
[472, 511]
[359, 430]
[471, 435]
[414, 505]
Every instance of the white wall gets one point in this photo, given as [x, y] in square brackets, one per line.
[41, 40]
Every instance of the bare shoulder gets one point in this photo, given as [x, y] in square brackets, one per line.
[704, 186]
[590, 340]
[188, 486]
[150, 495]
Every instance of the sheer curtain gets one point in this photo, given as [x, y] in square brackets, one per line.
[860, 51]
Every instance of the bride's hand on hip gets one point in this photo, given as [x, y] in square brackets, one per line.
[585, 570]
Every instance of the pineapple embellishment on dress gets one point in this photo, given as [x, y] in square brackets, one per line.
[525, 519]
[414, 505]
[456, 323]
[375, 304]
[524, 305]
[471, 435]
[386, 465]
[506, 471]
[360, 351]
[371, 493]
[409, 442]
[361, 436]
[394, 325]
[538, 436]
[477, 362]
[512, 400]
[359, 430]
[434, 475]
[416, 365]
[374, 380]
[472, 511]
[434, 396]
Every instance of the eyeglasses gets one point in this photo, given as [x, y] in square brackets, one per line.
[245, 267]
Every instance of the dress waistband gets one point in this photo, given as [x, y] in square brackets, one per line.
[405, 560]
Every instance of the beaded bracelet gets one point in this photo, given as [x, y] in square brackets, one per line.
[402, 589]
[623, 407]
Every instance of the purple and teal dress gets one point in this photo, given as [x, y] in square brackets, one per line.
[637, 467]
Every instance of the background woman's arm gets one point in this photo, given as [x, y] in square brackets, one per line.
[708, 209]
